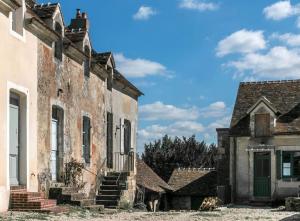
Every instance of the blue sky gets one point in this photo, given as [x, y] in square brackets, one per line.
[188, 56]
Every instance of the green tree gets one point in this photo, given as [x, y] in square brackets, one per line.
[167, 154]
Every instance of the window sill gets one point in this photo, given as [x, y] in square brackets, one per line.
[291, 179]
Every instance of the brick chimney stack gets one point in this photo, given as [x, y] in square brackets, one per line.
[80, 21]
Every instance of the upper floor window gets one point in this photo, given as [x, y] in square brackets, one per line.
[58, 47]
[87, 61]
[109, 79]
[262, 125]
[18, 19]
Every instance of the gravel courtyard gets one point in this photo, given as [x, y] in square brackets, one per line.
[224, 213]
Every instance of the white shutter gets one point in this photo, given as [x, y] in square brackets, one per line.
[121, 135]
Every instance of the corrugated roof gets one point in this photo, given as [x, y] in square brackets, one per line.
[147, 178]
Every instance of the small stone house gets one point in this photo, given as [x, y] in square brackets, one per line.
[263, 141]
[60, 100]
[190, 186]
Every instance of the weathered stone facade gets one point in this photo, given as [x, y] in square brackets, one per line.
[55, 96]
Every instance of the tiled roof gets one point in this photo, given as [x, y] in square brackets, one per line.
[193, 181]
[284, 96]
[45, 11]
[147, 178]
[102, 57]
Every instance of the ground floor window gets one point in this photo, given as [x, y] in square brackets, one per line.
[291, 164]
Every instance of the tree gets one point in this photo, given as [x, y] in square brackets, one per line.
[167, 154]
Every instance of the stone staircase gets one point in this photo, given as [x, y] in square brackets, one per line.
[21, 200]
[69, 195]
[111, 190]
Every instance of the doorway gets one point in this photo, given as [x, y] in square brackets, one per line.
[262, 174]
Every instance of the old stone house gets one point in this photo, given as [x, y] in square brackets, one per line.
[263, 141]
[60, 100]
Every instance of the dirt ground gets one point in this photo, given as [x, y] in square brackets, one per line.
[236, 213]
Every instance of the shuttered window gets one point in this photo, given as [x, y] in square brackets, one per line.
[109, 140]
[262, 125]
[278, 164]
[127, 136]
[87, 61]
[86, 136]
[58, 45]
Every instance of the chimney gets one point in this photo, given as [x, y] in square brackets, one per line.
[80, 21]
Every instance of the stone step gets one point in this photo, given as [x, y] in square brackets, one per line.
[110, 192]
[109, 182]
[115, 178]
[106, 203]
[109, 187]
[56, 210]
[108, 197]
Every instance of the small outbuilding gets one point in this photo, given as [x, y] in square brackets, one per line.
[151, 189]
[190, 186]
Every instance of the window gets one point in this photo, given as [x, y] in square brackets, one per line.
[87, 61]
[291, 164]
[109, 80]
[262, 125]
[127, 136]
[58, 47]
[86, 136]
[18, 19]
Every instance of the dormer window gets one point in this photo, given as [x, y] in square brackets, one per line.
[87, 61]
[18, 19]
[262, 125]
[58, 47]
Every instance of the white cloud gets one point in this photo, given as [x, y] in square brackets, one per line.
[214, 110]
[139, 67]
[220, 123]
[278, 63]
[179, 128]
[242, 41]
[198, 5]
[281, 10]
[161, 111]
[288, 38]
[144, 13]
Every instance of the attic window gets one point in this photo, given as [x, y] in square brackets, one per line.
[262, 125]
[18, 19]
[87, 61]
[58, 47]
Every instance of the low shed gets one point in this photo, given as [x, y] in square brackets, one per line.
[190, 187]
[151, 186]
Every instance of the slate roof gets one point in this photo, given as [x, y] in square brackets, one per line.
[193, 181]
[45, 11]
[284, 96]
[147, 178]
[119, 77]
[75, 35]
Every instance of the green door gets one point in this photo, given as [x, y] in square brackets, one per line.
[262, 174]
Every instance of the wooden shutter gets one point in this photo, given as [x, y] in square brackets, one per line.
[127, 136]
[278, 164]
[86, 138]
[109, 140]
[262, 125]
